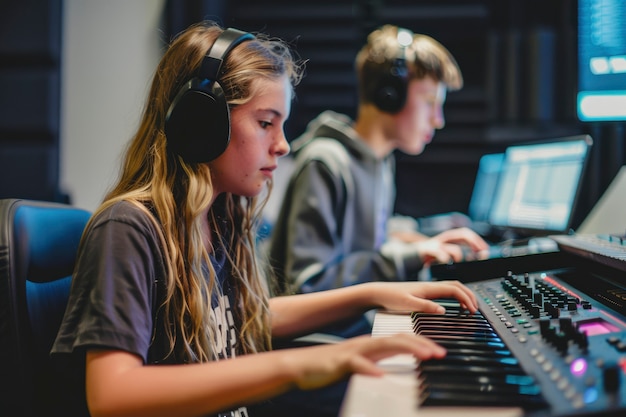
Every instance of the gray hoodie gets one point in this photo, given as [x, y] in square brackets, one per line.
[331, 229]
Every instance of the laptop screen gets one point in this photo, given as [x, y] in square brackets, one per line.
[489, 168]
[539, 185]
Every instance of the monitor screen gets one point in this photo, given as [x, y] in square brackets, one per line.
[601, 60]
[539, 185]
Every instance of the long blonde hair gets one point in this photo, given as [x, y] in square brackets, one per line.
[175, 194]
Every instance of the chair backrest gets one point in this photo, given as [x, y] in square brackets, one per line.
[38, 246]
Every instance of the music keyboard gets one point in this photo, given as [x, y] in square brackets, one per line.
[570, 349]
[609, 250]
[396, 393]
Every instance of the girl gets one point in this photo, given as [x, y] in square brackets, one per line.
[169, 313]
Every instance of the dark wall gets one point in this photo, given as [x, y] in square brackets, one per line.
[518, 58]
[519, 62]
[30, 59]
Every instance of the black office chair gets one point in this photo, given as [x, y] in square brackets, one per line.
[38, 245]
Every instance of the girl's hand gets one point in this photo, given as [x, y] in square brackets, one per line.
[318, 366]
[416, 296]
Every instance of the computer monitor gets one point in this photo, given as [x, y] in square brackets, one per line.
[601, 60]
[539, 185]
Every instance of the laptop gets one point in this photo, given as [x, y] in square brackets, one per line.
[485, 182]
[607, 215]
[529, 190]
[539, 185]
[489, 168]
[535, 196]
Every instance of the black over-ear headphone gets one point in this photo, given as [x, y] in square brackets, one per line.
[197, 124]
[391, 90]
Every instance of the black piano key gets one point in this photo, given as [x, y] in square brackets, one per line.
[448, 302]
[477, 337]
[449, 342]
[450, 325]
[478, 360]
[492, 353]
[482, 389]
[459, 369]
[514, 380]
[431, 397]
[437, 318]
[456, 330]
[450, 309]
[447, 315]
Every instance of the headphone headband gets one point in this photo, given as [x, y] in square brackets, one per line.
[211, 66]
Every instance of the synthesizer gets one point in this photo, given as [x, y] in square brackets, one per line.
[544, 343]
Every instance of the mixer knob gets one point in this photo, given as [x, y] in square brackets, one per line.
[551, 309]
[555, 313]
[611, 378]
[560, 341]
[535, 311]
[581, 339]
[546, 329]
[566, 325]
[576, 300]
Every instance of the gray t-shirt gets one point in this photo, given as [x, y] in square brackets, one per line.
[116, 294]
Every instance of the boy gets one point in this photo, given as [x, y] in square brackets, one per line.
[332, 227]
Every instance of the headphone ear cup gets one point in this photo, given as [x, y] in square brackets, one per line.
[197, 125]
[390, 96]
